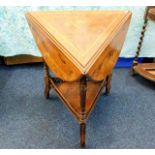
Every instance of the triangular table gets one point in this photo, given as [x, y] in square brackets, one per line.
[81, 49]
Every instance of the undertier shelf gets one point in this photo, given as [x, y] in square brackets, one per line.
[69, 93]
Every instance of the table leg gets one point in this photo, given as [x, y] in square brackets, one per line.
[82, 134]
[108, 84]
[47, 81]
[83, 90]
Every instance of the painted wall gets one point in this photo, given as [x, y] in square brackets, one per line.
[16, 38]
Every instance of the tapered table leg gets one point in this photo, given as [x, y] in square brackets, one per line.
[47, 81]
[82, 134]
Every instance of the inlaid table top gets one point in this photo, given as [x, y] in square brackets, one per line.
[81, 36]
[81, 49]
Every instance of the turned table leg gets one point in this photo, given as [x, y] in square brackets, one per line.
[47, 82]
[83, 90]
[82, 134]
[108, 84]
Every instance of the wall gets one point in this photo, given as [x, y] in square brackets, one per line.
[16, 38]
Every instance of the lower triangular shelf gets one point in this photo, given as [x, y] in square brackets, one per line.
[69, 93]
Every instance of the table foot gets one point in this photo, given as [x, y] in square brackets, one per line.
[82, 134]
[47, 87]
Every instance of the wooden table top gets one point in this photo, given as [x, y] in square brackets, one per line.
[82, 35]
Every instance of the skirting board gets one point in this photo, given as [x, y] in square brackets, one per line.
[22, 59]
